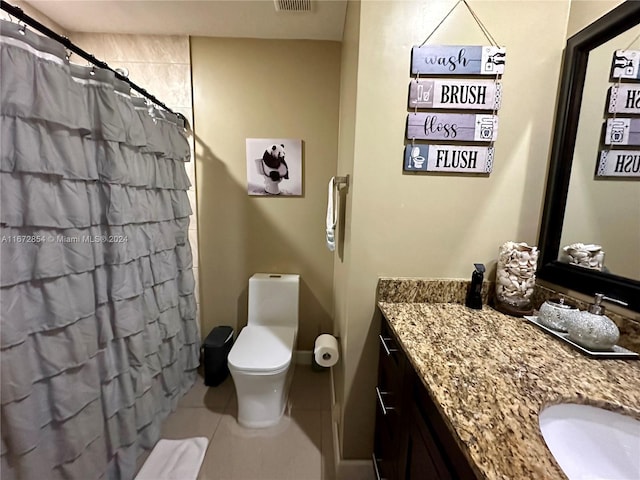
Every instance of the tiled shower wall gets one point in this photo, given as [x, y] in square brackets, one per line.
[162, 66]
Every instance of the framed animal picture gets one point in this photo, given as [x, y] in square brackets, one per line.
[274, 166]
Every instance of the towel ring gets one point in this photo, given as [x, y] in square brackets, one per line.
[342, 181]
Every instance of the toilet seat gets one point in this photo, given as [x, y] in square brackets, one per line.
[261, 350]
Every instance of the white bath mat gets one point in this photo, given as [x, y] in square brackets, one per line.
[174, 460]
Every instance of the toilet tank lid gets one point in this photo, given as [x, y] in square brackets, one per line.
[262, 349]
[285, 277]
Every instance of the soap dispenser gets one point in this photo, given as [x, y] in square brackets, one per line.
[593, 329]
[474, 294]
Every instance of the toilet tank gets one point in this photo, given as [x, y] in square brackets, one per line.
[273, 299]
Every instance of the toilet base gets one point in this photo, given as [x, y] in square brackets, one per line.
[259, 424]
[262, 398]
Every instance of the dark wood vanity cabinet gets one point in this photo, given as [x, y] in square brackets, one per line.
[412, 441]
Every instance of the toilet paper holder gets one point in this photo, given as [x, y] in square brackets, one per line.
[326, 351]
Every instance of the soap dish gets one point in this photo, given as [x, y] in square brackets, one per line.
[617, 352]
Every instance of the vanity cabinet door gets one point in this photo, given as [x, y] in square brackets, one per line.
[445, 456]
[423, 457]
[412, 440]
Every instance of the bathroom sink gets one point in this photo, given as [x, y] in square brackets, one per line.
[592, 443]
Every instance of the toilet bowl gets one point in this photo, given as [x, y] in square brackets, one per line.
[260, 360]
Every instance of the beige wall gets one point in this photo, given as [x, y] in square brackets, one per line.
[584, 12]
[348, 95]
[247, 88]
[429, 225]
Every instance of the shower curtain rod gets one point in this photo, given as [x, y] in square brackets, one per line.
[69, 45]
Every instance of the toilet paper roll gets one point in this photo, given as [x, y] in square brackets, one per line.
[325, 350]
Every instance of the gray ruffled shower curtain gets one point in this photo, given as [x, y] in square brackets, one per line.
[98, 333]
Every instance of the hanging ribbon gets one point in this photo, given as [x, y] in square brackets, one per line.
[475, 16]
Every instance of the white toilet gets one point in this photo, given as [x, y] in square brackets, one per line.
[260, 360]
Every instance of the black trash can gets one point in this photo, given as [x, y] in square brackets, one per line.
[216, 347]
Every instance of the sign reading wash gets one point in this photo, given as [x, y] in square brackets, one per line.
[457, 60]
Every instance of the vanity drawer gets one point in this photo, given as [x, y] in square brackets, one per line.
[390, 374]
[388, 435]
[390, 352]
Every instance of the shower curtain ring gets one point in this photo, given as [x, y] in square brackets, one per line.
[93, 70]
[23, 27]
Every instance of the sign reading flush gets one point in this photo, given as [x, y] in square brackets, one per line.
[448, 158]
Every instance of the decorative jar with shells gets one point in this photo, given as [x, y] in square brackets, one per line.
[515, 278]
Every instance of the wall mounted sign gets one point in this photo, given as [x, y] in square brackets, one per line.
[455, 94]
[448, 158]
[622, 131]
[624, 98]
[459, 127]
[274, 166]
[619, 163]
[457, 60]
[625, 64]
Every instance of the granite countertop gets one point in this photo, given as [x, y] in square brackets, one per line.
[491, 374]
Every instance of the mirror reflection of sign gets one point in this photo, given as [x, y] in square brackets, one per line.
[626, 163]
[622, 131]
[625, 98]
[617, 131]
[619, 163]
[625, 64]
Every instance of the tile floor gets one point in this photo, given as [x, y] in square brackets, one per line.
[299, 448]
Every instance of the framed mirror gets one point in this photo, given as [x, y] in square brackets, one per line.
[575, 150]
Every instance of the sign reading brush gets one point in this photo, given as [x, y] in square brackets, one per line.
[455, 94]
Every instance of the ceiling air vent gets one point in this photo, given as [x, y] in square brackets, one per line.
[293, 5]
